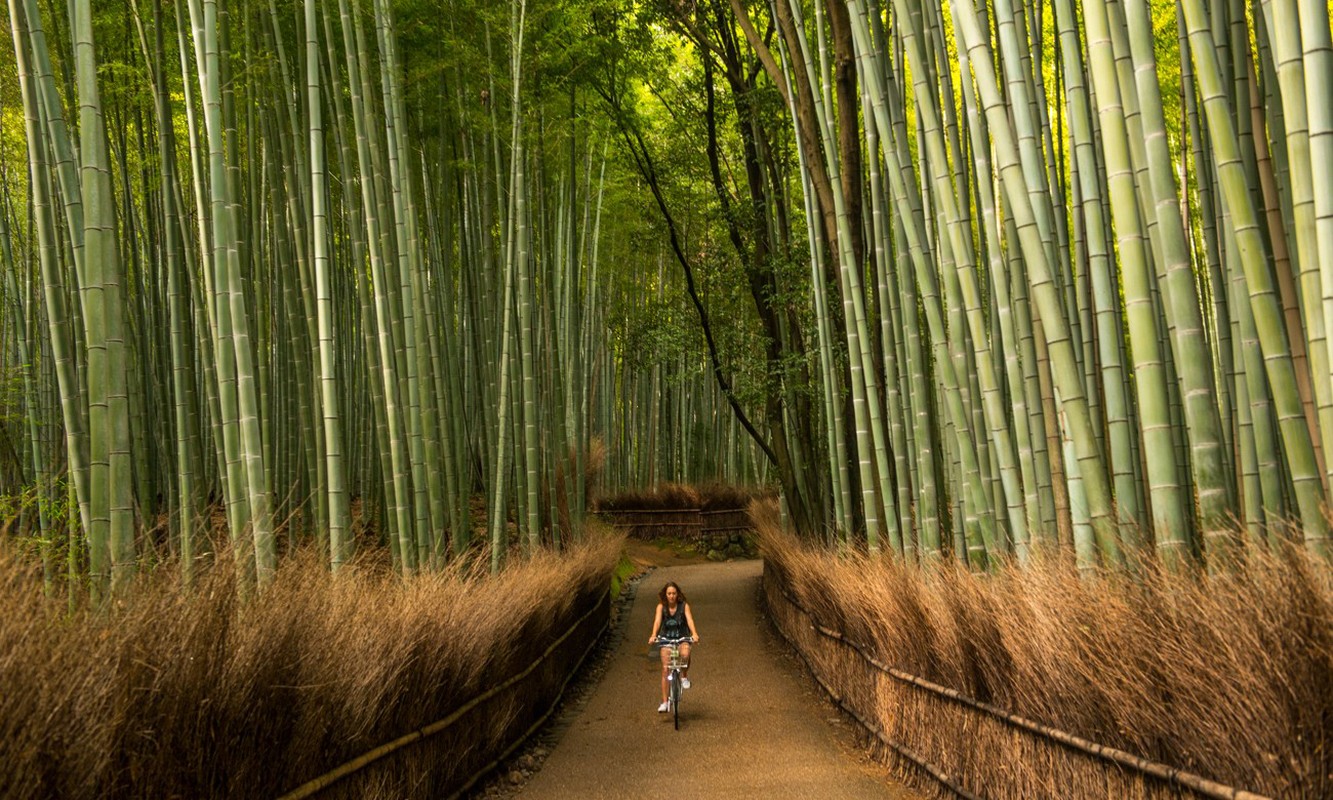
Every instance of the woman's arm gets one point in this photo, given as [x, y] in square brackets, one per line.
[689, 619]
[657, 621]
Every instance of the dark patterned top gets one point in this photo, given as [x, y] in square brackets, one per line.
[674, 626]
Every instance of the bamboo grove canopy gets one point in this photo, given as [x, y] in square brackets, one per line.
[975, 280]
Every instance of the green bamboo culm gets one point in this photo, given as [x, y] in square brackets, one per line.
[1253, 254]
[999, 281]
[339, 512]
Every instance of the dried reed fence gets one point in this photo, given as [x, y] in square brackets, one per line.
[1036, 684]
[177, 693]
[686, 513]
[684, 524]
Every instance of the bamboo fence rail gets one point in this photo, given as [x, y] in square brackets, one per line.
[1153, 776]
[693, 523]
[323, 782]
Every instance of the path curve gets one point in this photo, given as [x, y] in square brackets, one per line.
[748, 726]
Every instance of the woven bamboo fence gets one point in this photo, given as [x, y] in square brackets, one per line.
[956, 742]
[683, 524]
[448, 757]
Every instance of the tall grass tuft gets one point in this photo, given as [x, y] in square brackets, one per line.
[1227, 675]
[173, 692]
[662, 497]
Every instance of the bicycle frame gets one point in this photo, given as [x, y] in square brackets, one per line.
[674, 666]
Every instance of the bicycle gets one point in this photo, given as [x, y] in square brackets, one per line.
[674, 667]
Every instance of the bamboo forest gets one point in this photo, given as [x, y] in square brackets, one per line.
[360, 358]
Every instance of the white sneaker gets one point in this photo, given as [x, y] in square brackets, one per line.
[664, 708]
[684, 683]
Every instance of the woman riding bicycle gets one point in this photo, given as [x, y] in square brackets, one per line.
[673, 622]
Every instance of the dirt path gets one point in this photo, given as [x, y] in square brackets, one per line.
[749, 727]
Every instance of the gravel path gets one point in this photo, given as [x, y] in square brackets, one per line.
[749, 725]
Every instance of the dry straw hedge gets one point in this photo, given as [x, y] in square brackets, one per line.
[1229, 675]
[672, 496]
[175, 693]
[680, 511]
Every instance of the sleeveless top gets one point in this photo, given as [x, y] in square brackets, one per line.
[674, 626]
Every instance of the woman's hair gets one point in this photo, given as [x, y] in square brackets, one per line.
[680, 595]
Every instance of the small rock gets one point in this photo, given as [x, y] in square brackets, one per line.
[515, 777]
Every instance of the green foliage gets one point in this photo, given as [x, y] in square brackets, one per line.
[623, 572]
[33, 502]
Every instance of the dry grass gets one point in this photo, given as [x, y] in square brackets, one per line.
[662, 497]
[680, 512]
[720, 496]
[176, 693]
[670, 496]
[1229, 676]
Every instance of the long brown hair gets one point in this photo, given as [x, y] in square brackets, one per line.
[680, 595]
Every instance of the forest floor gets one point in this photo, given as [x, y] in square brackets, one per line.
[753, 724]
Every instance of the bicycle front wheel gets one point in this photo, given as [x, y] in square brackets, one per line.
[675, 699]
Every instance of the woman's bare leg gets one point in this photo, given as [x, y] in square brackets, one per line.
[685, 656]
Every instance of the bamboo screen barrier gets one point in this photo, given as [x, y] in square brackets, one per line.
[688, 524]
[969, 748]
[449, 757]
